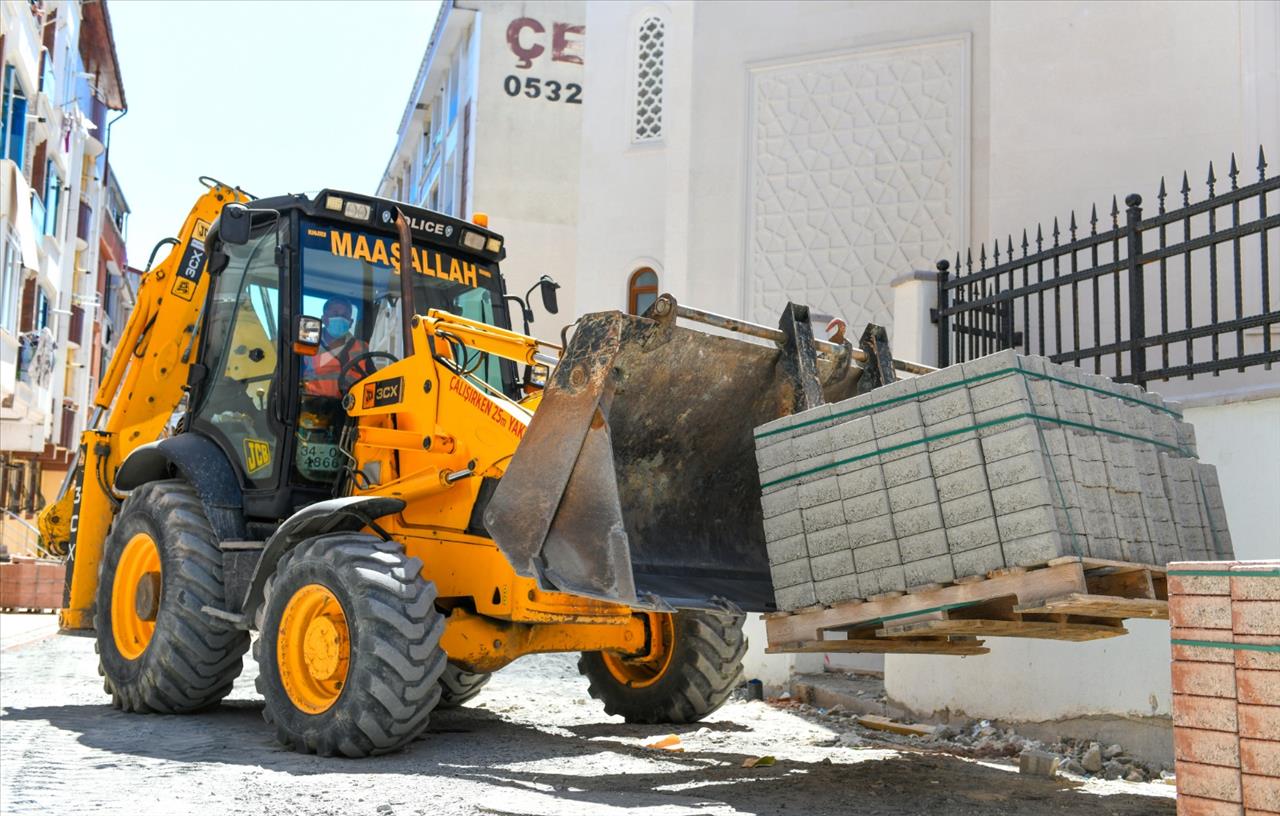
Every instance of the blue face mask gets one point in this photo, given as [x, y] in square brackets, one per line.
[338, 326]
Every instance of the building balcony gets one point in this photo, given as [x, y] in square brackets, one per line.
[66, 437]
[84, 224]
[22, 46]
[75, 327]
[113, 242]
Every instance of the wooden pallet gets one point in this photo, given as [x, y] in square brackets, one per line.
[1071, 599]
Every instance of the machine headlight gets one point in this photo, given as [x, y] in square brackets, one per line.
[473, 240]
[357, 210]
[494, 245]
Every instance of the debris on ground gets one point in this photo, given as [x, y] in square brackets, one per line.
[1038, 763]
[877, 723]
[980, 739]
[670, 742]
[758, 762]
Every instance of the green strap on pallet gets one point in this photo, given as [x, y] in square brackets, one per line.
[1206, 573]
[1248, 647]
[960, 384]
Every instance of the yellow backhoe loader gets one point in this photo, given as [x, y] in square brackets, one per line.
[320, 425]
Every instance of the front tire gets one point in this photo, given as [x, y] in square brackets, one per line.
[693, 666]
[349, 647]
[157, 651]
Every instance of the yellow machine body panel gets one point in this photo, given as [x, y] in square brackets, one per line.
[430, 436]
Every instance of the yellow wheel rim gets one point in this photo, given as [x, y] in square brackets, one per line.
[313, 649]
[644, 670]
[139, 563]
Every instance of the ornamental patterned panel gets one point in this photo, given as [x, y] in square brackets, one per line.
[856, 176]
[650, 64]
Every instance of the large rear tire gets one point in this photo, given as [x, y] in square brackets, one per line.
[348, 649]
[161, 564]
[692, 667]
[457, 686]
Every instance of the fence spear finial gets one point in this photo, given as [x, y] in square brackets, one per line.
[982, 256]
[1073, 225]
[1009, 245]
[1211, 180]
[1115, 212]
[1093, 220]
[968, 260]
[1262, 165]
[1233, 172]
[1055, 229]
[1024, 240]
[1161, 195]
[1186, 190]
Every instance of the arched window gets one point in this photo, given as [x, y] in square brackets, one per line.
[650, 62]
[642, 290]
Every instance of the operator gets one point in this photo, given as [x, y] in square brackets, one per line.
[338, 346]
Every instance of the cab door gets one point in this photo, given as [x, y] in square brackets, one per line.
[241, 361]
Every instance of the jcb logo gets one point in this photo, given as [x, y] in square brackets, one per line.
[381, 393]
[201, 232]
[257, 455]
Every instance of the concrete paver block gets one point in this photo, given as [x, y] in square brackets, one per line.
[832, 565]
[832, 539]
[935, 570]
[876, 556]
[914, 494]
[794, 597]
[822, 516]
[791, 573]
[783, 550]
[840, 588]
[924, 545]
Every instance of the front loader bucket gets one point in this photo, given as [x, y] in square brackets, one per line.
[636, 480]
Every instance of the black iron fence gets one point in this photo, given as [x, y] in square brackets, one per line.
[1183, 292]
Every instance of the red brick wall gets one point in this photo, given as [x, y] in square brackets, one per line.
[1225, 625]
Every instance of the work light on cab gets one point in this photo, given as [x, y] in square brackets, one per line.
[473, 240]
[357, 210]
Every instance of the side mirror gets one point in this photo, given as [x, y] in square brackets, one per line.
[549, 287]
[235, 224]
[306, 341]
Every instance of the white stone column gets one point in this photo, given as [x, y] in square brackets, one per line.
[915, 336]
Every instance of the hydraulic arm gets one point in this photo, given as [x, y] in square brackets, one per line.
[142, 387]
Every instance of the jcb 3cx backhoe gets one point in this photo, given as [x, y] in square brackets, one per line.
[363, 465]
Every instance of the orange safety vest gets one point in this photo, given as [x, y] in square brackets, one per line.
[320, 372]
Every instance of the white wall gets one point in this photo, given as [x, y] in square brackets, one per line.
[526, 155]
[1160, 87]
[683, 202]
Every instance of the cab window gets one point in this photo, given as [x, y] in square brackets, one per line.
[241, 336]
[351, 282]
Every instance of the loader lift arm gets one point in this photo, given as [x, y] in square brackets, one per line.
[143, 385]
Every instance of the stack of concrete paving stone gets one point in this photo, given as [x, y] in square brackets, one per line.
[1005, 461]
[1225, 627]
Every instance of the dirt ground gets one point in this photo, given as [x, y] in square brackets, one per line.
[531, 743]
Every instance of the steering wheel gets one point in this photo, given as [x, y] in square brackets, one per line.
[343, 385]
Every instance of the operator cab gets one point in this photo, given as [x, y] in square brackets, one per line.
[305, 302]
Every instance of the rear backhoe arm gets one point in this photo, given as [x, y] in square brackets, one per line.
[138, 395]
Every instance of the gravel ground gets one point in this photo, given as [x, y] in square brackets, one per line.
[531, 743]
